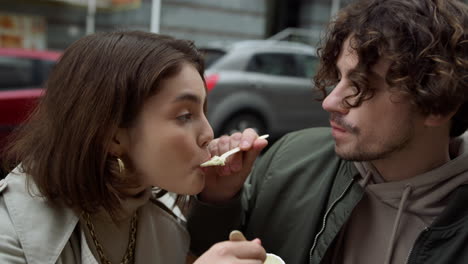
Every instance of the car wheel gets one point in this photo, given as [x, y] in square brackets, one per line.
[240, 122]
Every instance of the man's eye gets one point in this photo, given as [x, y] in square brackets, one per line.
[185, 117]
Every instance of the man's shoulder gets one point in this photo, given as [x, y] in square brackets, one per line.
[314, 135]
[303, 150]
[310, 142]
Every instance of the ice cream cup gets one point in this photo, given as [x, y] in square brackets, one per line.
[273, 259]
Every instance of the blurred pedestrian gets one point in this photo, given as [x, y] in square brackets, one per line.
[388, 182]
[121, 123]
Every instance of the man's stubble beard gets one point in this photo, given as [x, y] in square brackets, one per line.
[385, 149]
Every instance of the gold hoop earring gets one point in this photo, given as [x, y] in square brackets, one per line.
[121, 166]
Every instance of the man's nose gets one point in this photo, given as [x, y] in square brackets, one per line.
[334, 102]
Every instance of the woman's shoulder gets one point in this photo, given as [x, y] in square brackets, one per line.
[16, 192]
[28, 219]
[8, 235]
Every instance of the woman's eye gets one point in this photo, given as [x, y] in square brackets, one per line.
[185, 117]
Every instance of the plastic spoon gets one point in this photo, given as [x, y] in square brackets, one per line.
[221, 160]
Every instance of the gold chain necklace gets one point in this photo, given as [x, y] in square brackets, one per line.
[129, 254]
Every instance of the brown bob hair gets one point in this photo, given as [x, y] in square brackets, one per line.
[99, 84]
[426, 40]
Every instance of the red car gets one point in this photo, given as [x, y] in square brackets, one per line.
[22, 73]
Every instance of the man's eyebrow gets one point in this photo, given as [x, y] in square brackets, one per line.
[188, 97]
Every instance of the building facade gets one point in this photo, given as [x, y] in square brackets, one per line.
[200, 20]
[54, 24]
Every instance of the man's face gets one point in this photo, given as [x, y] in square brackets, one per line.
[380, 127]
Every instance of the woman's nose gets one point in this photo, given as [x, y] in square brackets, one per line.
[206, 135]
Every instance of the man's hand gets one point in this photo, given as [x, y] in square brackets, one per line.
[224, 182]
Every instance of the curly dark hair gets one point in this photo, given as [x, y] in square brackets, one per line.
[426, 40]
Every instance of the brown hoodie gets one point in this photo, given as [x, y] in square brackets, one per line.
[385, 224]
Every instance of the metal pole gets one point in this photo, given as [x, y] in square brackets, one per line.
[90, 18]
[155, 16]
[335, 6]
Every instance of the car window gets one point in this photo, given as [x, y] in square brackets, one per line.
[45, 67]
[308, 64]
[211, 56]
[280, 64]
[23, 73]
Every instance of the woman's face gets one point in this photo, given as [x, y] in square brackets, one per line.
[169, 139]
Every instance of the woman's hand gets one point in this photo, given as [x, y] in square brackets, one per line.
[228, 252]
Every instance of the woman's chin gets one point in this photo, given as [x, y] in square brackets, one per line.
[193, 187]
[197, 186]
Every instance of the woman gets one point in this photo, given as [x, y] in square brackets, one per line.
[122, 122]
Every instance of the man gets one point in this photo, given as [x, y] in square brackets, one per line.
[389, 182]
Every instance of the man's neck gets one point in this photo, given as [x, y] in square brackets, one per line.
[420, 157]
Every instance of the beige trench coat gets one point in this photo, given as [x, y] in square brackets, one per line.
[33, 232]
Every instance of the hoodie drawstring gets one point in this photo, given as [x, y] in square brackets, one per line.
[366, 179]
[396, 224]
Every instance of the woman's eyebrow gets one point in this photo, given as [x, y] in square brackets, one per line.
[188, 97]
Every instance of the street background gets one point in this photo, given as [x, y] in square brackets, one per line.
[54, 24]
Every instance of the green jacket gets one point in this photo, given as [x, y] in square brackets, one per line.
[298, 197]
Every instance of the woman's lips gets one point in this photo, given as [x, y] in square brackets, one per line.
[204, 169]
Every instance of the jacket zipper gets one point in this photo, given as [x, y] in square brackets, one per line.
[324, 222]
[411, 250]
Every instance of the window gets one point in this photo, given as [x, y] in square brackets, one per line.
[273, 64]
[23, 73]
[281, 64]
[44, 68]
[308, 65]
[15, 72]
[211, 56]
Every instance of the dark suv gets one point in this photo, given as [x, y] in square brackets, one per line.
[262, 84]
[22, 73]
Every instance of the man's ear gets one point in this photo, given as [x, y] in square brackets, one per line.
[120, 142]
[434, 120]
